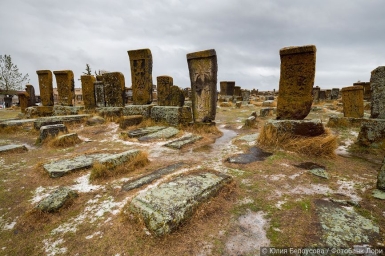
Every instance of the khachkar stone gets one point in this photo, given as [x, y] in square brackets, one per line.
[296, 82]
[322, 95]
[65, 86]
[45, 86]
[328, 94]
[316, 91]
[203, 70]
[353, 101]
[377, 81]
[367, 89]
[169, 94]
[335, 93]
[237, 91]
[245, 95]
[227, 88]
[114, 89]
[141, 76]
[88, 90]
[99, 94]
[32, 98]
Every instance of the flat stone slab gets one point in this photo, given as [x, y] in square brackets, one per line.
[136, 183]
[144, 131]
[343, 228]
[61, 167]
[249, 137]
[12, 148]
[178, 144]
[379, 194]
[17, 122]
[165, 207]
[39, 122]
[255, 154]
[114, 160]
[162, 134]
[319, 172]
[56, 199]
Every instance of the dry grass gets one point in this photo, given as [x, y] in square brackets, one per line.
[320, 146]
[64, 142]
[202, 129]
[226, 104]
[101, 171]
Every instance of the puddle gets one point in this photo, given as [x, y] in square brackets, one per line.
[255, 154]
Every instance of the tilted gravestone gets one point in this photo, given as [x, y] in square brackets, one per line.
[88, 90]
[377, 81]
[46, 88]
[65, 87]
[114, 89]
[169, 94]
[227, 88]
[353, 101]
[335, 93]
[296, 82]
[32, 97]
[203, 70]
[141, 76]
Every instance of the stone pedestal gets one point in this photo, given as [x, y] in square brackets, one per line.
[88, 90]
[377, 82]
[296, 82]
[353, 101]
[45, 86]
[141, 76]
[65, 87]
[203, 70]
[172, 115]
[144, 110]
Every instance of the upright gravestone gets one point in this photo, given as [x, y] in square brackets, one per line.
[322, 95]
[32, 97]
[88, 90]
[353, 101]
[227, 88]
[296, 82]
[203, 70]
[99, 94]
[335, 93]
[169, 94]
[377, 81]
[141, 76]
[45, 86]
[23, 100]
[245, 95]
[367, 89]
[114, 87]
[237, 91]
[316, 91]
[328, 94]
[65, 87]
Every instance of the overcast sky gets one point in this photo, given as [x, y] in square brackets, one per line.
[246, 34]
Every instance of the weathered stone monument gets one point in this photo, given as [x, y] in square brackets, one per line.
[315, 92]
[169, 94]
[23, 100]
[88, 90]
[367, 89]
[203, 70]
[377, 82]
[114, 86]
[296, 82]
[353, 101]
[32, 97]
[141, 76]
[335, 93]
[45, 85]
[328, 94]
[237, 91]
[322, 95]
[245, 95]
[65, 87]
[99, 94]
[227, 88]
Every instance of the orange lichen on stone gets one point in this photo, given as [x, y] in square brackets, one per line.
[164, 84]
[114, 86]
[296, 82]
[353, 101]
[23, 100]
[45, 85]
[65, 87]
[88, 91]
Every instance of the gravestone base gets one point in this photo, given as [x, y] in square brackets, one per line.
[200, 124]
[306, 128]
[267, 111]
[171, 115]
[66, 110]
[110, 112]
[144, 110]
[44, 110]
[127, 121]
[335, 121]
[372, 133]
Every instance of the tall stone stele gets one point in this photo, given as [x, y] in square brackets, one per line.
[203, 70]
[169, 94]
[141, 76]
[65, 87]
[32, 97]
[316, 91]
[353, 101]
[227, 88]
[296, 82]
[335, 93]
[114, 87]
[88, 90]
[377, 84]
[45, 86]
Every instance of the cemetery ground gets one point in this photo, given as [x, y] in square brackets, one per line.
[273, 202]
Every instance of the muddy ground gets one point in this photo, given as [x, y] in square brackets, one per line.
[275, 202]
